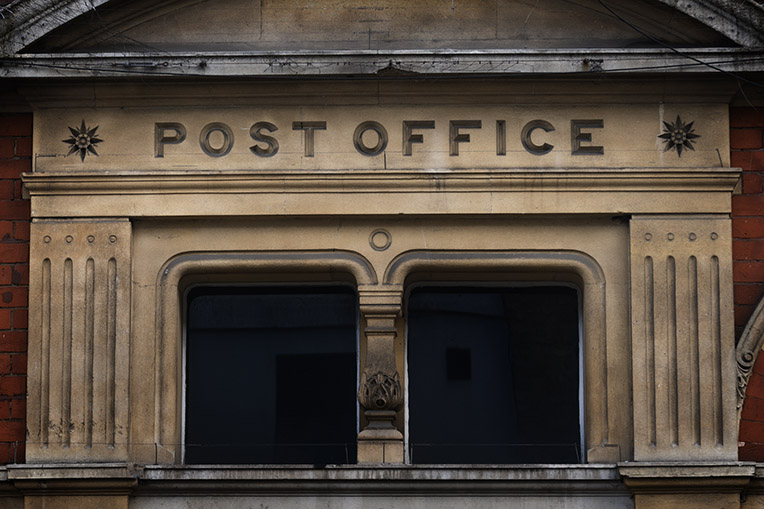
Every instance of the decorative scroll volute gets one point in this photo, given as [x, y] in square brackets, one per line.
[745, 360]
[747, 350]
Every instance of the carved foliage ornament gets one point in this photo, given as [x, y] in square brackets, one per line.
[83, 140]
[380, 391]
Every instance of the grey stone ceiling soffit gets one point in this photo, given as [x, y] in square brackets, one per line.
[26, 21]
[740, 21]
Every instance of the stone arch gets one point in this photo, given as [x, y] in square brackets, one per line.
[750, 387]
[169, 326]
[747, 351]
[568, 266]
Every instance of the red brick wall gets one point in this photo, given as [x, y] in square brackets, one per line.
[15, 158]
[747, 144]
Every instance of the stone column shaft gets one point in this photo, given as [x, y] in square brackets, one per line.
[380, 392]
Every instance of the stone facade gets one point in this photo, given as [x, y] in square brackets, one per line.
[467, 161]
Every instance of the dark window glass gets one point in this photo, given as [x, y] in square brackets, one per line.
[271, 375]
[493, 375]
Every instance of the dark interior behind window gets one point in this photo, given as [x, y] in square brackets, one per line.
[493, 375]
[271, 375]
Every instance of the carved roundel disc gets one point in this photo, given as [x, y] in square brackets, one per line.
[380, 239]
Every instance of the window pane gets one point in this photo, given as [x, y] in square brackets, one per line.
[493, 375]
[271, 375]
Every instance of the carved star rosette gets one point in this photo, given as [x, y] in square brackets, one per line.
[678, 136]
[83, 141]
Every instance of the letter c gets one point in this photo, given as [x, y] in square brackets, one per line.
[525, 137]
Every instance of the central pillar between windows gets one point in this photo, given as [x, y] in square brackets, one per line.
[380, 392]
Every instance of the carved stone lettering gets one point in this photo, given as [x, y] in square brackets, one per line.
[501, 137]
[256, 132]
[455, 136]
[381, 132]
[528, 144]
[409, 137]
[577, 137]
[161, 138]
[206, 133]
[308, 129]
[216, 139]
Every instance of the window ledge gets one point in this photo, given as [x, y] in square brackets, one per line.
[385, 472]
[402, 481]
[384, 480]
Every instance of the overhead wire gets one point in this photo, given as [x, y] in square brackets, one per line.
[397, 66]
[675, 50]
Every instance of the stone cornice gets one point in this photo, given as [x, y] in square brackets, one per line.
[453, 181]
[402, 63]
[602, 191]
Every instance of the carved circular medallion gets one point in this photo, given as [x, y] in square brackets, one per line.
[380, 240]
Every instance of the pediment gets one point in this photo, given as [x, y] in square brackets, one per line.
[383, 25]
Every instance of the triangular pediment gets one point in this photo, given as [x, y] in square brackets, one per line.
[383, 25]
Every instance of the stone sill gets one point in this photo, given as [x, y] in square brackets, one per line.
[343, 480]
[540, 479]
[387, 472]
[381, 472]
[687, 469]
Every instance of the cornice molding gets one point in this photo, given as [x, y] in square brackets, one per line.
[399, 64]
[455, 181]
[610, 191]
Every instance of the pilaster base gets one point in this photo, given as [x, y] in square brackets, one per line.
[380, 441]
[80, 486]
[606, 453]
[380, 451]
[669, 486]
[76, 502]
